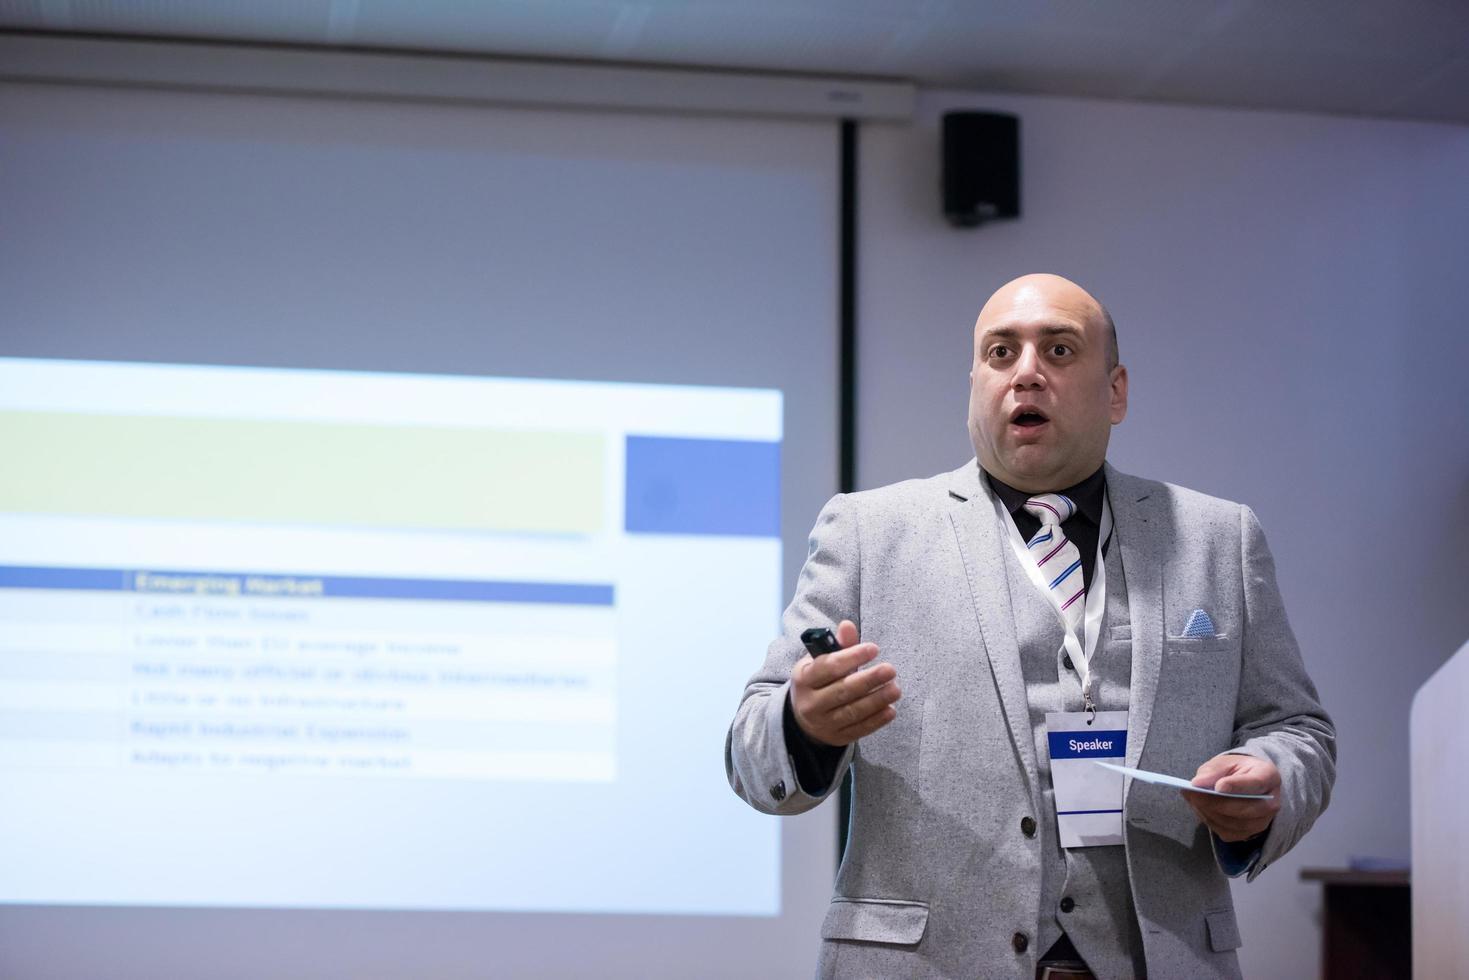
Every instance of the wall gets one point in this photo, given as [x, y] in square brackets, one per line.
[1285, 292]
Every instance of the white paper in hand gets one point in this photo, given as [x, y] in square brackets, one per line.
[1164, 780]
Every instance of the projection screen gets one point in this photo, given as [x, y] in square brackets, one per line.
[399, 495]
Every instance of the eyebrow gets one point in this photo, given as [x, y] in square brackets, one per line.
[1010, 333]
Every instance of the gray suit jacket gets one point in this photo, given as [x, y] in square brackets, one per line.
[938, 877]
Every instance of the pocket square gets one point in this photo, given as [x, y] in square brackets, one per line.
[1199, 624]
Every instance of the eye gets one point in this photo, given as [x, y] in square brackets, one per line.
[1060, 350]
[999, 350]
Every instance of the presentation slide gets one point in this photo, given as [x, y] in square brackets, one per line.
[319, 639]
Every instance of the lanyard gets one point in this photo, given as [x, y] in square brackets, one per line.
[1096, 596]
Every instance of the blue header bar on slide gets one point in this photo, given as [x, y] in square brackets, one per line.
[251, 585]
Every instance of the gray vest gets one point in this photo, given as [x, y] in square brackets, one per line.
[1102, 923]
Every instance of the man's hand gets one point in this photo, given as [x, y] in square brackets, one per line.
[833, 701]
[1236, 820]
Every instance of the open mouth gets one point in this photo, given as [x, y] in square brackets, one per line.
[1028, 418]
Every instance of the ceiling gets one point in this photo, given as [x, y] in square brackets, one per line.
[1391, 58]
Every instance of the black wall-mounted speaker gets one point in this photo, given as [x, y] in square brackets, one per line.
[981, 167]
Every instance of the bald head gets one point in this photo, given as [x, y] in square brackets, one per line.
[1040, 289]
[1046, 387]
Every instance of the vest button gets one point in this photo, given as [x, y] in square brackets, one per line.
[1067, 904]
[1066, 662]
[1020, 942]
[1027, 826]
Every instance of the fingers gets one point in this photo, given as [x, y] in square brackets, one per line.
[852, 688]
[819, 671]
[1232, 820]
[1247, 783]
[864, 726]
[854, 713]
[850, 722]
[1235, 820]
[833, 667]
[1229, 809]
[1214, 770]
[842, 712]
[871, 724]
[1231, 772]
[835, 700]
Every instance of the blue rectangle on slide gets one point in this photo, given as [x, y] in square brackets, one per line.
[703, 486]
[1088, 745]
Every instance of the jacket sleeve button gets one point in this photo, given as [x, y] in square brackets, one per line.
[778, 791]
[1027, 826]
[1020, 942]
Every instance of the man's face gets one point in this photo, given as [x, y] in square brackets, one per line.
[1042, 397]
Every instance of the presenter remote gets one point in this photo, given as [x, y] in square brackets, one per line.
[819, 640]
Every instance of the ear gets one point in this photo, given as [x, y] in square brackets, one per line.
[1119, 394]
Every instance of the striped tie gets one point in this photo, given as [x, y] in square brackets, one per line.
[1057, 557]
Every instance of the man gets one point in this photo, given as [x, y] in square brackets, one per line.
[1032, 595]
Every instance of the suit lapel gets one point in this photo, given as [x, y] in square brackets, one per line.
[1139, 534]
[982, 549]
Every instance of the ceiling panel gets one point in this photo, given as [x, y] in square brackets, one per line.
[1403, 58]
[520, 27]
[1354, 80]
[29, 14]
[763, 37]
[1426, 28]
[1156, 18]
[282, 20]
[1098, 63]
